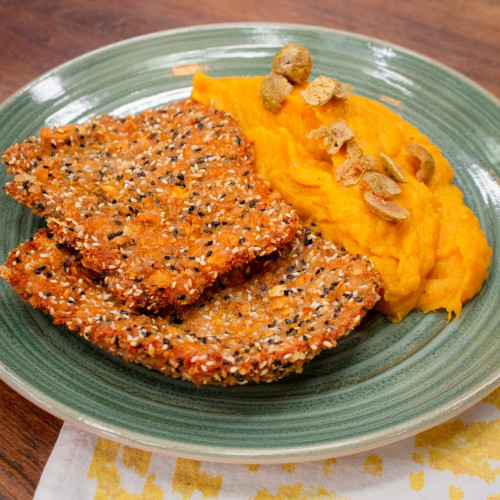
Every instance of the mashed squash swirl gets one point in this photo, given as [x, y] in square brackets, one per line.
[436, 259]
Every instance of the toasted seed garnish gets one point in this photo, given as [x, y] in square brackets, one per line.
[393, 170]
[387, 210]
[323, 89]
[273, 91]
[334, 135]
[381, 184]
[355, 164]
[424, 173]
[294, 62]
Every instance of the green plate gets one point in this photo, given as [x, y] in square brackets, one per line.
[383, 382]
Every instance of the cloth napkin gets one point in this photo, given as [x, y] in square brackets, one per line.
[459, 459]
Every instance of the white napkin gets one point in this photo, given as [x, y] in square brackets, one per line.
[457, 460]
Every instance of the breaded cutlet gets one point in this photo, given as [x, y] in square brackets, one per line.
[258, 323]
[160, 203]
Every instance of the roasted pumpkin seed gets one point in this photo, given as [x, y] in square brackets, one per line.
[387, 210]
[381, 184]
[419, 153]
[393, 170]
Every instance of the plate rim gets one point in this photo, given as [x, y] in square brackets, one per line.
[214, 454]
[243, 25]
[249, 455]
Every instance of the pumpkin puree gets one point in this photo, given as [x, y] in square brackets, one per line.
[437, 258]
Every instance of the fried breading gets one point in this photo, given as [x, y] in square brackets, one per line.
[258, 323]
[160, 203]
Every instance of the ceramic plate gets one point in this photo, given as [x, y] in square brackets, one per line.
[383, 382]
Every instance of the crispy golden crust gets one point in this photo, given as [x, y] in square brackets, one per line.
[258, 323]
[160, 203]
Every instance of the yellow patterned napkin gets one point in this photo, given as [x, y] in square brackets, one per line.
[457, 460]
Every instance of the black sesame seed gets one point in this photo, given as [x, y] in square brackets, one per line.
[334, 285]
[176, 320]
[114, 235]
[181, 297]
[39, 270]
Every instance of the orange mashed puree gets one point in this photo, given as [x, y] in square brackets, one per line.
[437, 258]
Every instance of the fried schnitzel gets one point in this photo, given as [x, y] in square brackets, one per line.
[258, 323]
[160, 203]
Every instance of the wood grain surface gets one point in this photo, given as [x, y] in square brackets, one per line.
[36, 35]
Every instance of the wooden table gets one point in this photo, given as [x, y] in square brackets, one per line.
[36, 35]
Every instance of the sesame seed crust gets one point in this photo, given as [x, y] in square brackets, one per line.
[258, 323]
[155, 202]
